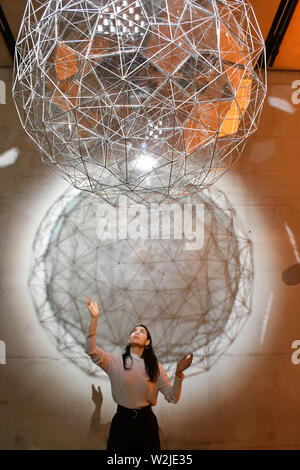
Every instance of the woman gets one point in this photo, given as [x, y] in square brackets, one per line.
[136, 378]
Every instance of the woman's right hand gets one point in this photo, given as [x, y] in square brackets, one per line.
[93, 308]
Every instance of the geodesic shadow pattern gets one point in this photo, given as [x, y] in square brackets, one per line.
[139, 97]
[192, 300]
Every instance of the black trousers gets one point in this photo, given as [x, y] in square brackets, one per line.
[134, 429]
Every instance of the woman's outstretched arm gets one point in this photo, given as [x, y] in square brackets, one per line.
[103, 359]
[170, 392]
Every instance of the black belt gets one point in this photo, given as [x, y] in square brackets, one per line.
[133, 412]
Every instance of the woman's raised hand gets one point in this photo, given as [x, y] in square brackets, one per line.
[93, 307]
[184, 363]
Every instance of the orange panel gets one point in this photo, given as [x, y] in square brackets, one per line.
[65, 62]
[235, 76]
[289, 52]
[265, 11]
[237, 109]
[222, 118]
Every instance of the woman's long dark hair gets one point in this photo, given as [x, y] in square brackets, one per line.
[150, 359]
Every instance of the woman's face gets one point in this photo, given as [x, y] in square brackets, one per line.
[138, 337]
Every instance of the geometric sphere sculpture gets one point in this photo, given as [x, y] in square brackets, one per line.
[139, 97]
[192, 300]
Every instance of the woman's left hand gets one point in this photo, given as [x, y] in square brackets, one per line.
[184, 363]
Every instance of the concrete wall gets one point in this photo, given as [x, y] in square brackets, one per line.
[250, 398]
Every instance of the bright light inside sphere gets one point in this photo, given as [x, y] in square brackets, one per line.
[145, 162]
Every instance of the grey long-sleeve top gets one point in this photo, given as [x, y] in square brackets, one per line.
[131, 388]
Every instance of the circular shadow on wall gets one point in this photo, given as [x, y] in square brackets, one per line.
[184, 269]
